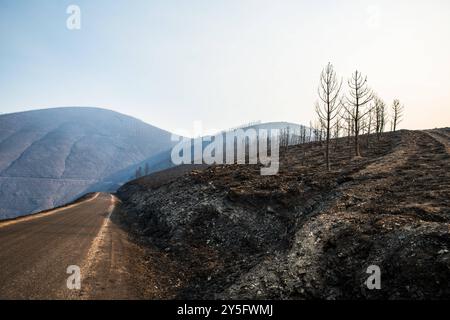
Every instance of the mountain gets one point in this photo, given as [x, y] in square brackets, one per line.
[49, 157]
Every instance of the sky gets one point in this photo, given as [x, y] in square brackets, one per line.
[223, 62]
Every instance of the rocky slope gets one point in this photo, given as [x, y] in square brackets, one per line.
[228, 232]
[48, 157]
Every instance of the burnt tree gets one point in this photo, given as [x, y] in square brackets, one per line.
[380, 116]
[356, 105]
[397, 114]
[329, 105]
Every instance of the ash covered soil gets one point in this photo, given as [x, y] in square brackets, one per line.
[221, 232]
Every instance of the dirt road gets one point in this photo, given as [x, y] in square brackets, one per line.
[36, 251]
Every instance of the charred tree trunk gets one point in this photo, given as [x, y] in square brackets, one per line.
[360, 96]
[328, 107]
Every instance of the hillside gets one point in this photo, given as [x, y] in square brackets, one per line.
[162, 160]
[228, 232]
[48, 157]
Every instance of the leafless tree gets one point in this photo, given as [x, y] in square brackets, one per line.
[316, 130]
[329, 105]
[288, 137]
[311, 129]
[337, 129]
[397, 114]
[285, 138]
[380, 116]
[357, 104]
[322, 134]
[348, 126]
[368, 124]
[295, 137]
[303, 134]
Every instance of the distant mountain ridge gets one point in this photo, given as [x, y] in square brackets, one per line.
[50, 156]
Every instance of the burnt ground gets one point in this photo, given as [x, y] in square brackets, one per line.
[227, 232]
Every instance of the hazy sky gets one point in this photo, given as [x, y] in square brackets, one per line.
[223, 62]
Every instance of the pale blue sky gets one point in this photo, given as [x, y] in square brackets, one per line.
[224, 62]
